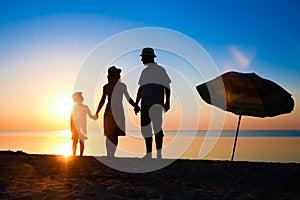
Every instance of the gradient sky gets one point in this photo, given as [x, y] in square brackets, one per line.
[44, 43]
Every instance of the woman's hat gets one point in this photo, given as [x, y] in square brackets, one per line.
[148, 52]
[114, 70]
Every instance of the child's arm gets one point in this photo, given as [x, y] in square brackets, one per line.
[94, 117]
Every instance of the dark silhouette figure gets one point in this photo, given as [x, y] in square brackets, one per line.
[78, 122]
[154, 93]
[114, 118]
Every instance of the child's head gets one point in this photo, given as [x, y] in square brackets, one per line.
[114, 74]
[77, 97]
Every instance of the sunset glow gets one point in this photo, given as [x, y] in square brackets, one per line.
[63, 106]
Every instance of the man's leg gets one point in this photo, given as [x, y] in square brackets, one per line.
[156, 117]
[146, 130]
[159, 141]
[148, 142]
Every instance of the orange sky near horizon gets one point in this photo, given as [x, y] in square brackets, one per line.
[52, 113]
[40, 71]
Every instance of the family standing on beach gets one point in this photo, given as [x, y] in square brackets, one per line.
[154, 94]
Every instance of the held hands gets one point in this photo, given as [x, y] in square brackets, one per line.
[95, 117]
[136, 108]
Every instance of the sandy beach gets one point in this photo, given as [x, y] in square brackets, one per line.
[27, 176]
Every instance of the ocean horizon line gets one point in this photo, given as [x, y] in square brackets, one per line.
[171, 133]
[35, 130]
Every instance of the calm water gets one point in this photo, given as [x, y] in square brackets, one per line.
[229, 133]
[269, 146]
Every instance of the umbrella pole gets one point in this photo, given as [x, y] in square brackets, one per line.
[236, 135]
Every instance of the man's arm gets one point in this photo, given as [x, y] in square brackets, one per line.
[139, 95]
[137, 100]
[167, 103]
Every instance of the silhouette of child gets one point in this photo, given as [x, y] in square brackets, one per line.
[114, 118]
[78, 122]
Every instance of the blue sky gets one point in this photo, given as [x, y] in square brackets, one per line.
[272, 27]
[52, 38]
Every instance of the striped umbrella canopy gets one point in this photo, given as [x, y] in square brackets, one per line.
[246, 94]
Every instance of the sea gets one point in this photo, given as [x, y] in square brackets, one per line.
[251, 145]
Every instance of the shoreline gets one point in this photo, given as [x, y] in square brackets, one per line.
[270, 149]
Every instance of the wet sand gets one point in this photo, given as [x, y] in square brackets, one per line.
[28, 176]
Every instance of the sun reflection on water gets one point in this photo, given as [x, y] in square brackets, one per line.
[66, 133]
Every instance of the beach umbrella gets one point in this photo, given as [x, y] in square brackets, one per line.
[246, 94]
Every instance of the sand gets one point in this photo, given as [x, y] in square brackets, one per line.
[27, 176]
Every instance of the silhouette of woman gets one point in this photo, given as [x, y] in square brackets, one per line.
[114, 118]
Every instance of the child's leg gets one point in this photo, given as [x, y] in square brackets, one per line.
[81, 147]
[74, 147]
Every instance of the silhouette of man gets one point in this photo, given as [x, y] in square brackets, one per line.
[154, 93]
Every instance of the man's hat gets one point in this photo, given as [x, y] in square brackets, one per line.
[148, 52]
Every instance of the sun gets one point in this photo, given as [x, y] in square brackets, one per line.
[62, 107]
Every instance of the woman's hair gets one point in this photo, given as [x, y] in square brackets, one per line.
[114, 74]
[113, 78]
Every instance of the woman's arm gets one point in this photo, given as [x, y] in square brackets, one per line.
[129, 99]
[101, 103]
